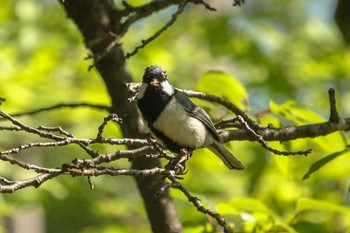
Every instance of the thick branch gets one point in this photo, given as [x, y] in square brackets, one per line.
[290, 132]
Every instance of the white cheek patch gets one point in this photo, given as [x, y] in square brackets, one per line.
[177, 125]
[167, 88]
[142, 90]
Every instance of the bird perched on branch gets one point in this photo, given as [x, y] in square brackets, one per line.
[175, 121]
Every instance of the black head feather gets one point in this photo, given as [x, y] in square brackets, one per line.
[154, 72]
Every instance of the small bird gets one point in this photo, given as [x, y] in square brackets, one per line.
[175, 121]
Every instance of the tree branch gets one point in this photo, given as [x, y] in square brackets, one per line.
[261, 140]
[283, 134]
[160, 31]
[197, 203]
[251, 131]
[149, 149]
[289, 132]
[139, 12]
[133, 14]
[7, 186]
[101, 26]
[63, 105]
[333, 116]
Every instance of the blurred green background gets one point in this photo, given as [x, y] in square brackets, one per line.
[282, 55]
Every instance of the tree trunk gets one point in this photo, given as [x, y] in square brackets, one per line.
[98, 21]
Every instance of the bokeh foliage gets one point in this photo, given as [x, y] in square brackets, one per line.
[280, 55]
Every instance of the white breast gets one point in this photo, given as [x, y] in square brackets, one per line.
[167, 88]
[177, 125]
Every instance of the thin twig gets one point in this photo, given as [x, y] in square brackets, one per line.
[261, 140]
[32, 182]
[2, 99]
[128, 154]
[62, 105]
[111, 117]
[206, 5]
[55, 129]
[227, 104]
[160, 31]
[27, 166]
[155, 145]
[30, 129]
[196, 202]
[333, 116]
[238, 2]
[227, 123]
[10, 128]
[12, 186]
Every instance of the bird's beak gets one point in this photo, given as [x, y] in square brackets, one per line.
[154, 83]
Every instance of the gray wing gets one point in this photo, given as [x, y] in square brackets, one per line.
[196, 112]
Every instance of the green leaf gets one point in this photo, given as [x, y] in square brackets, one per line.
[307, 227]
[295, 112]
[307, 204]
[223, 85]
[253, 211]
[322, 162]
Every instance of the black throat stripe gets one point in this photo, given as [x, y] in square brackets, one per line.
[152, 104]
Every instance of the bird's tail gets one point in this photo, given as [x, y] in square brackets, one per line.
[229, 159]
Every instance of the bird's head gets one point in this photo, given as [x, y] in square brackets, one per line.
[154, 75]
[156, 78]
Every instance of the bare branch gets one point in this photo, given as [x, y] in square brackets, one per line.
[40, 131]
[155, 35]
[30, 129]
[34, 182]
[289, 132]
[272, 134]
[238, 2]
[268, 133]
[333, 116]
[25, 166]
[196, 202]
[133, 14]
[227, 104]
[143, 11]
[128, 154]
[10, 128]
[112, 117]
[63, 105]
[149, 148]
[56, 129]
[228, 123]
[2, 99]
[261, 140]
[7, 186]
